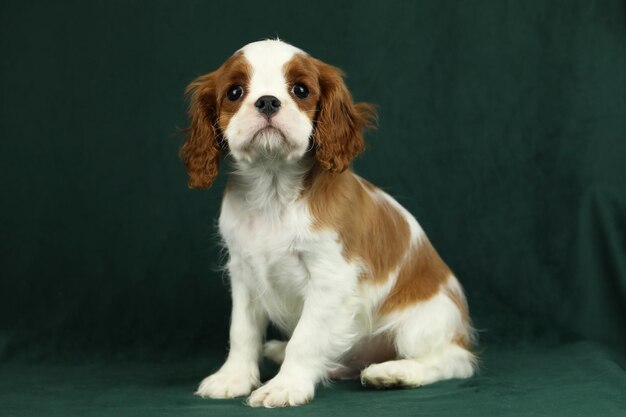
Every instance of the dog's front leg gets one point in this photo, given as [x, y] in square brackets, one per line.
[240, 373]
[325, 331]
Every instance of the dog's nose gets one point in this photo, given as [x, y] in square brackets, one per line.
[267, 105]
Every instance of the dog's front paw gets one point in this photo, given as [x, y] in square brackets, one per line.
[229, 383]
[282, 392]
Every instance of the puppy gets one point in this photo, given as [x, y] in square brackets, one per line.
[342, 269]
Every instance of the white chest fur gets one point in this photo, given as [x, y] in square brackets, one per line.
[267, 230]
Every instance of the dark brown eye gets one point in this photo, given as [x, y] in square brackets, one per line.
[235, 92]
[300, 90]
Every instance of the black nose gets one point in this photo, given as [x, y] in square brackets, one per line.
[267, 105]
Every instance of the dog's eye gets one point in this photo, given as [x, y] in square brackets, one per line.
[235, 92]
[300, 90]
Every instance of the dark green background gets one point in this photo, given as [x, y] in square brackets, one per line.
[502, 128]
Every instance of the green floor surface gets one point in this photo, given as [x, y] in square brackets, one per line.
[581, 379]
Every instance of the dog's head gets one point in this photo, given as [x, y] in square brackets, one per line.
[272, 100]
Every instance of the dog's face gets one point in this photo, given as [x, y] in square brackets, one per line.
[271, 100]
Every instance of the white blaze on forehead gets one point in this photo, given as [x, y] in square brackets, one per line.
[269, 50]
[267, 59]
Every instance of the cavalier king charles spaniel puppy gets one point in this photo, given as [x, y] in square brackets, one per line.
[336, 264]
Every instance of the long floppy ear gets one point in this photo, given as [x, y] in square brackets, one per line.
[201, 151]
[338, 133]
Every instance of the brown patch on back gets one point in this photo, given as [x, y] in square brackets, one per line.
[370, 230]
[420, 278]
[375, 232]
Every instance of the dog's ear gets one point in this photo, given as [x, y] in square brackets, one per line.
[201, 151]
[338, 136]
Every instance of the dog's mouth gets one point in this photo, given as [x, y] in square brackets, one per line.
[269, 130]
[268, 140]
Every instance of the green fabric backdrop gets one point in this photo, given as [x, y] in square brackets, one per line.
[502, 128]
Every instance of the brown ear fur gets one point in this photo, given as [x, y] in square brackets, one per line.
[338, 130]
[201, 151]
